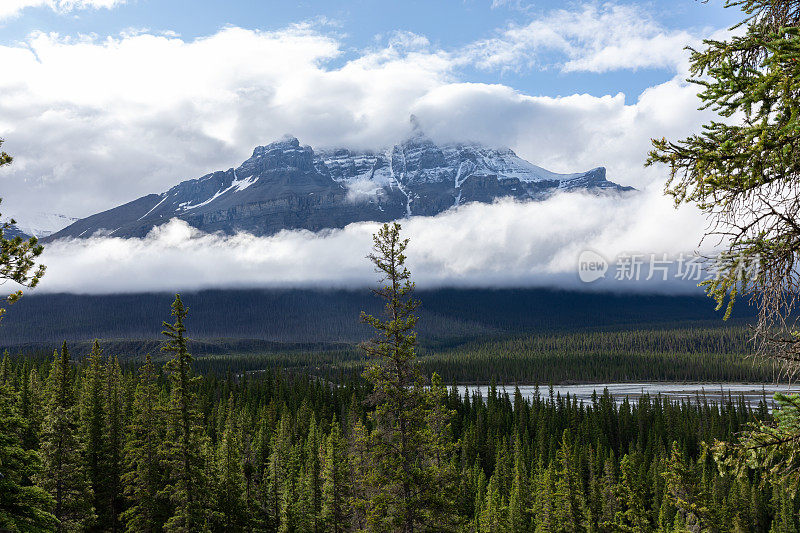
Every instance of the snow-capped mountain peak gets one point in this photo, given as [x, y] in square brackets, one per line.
[287, 185]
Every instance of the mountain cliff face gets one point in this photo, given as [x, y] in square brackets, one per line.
[288, 186]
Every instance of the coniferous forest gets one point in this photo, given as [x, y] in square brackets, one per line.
[87, 445]
[282, 435]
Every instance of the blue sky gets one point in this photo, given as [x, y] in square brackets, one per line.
[362, 24]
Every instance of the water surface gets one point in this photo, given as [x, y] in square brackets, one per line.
[712, 392]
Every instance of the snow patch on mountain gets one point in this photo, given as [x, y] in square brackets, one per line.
[40, 224]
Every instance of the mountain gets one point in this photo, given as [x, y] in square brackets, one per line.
[38, 225]
[284, 185]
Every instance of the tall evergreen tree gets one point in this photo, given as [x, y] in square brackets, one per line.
[114, 442]
[63, 475]
[335, 482]
[32, 401]
[93, 433]
[184, 447]
[230, 494]
[519, 504]
[684, 491]
[310, 487]
[144, 476]
[406, 481]
[23, 505]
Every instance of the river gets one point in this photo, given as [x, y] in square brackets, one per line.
[713, 392]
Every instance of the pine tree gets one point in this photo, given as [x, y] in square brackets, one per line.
[635, 493]
[336, 482]
[284, 470]
[230, 495]
[32, 401]
[569, 495]
[310, 490]
[786, 516]
[742, 168]
[4, 368]
[545, 511]
[406, 483]
[360, 465]
[144, 476]
[684, 490]
[92, 412]
[23, 505]
[63, 475]
[519, 502]
[184, 447]
[114, 441]
[495, 508]
[17, 255]
[267, 496]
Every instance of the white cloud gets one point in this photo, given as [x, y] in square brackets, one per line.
[93, 123]
[594, 38]
[12, 8]
[505, 243]
[97, 122]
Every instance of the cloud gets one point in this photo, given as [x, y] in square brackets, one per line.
[94, 122]
[13, 8]
[502, 244]
[593, 38]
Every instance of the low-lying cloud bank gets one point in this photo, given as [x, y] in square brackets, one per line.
[535, 244]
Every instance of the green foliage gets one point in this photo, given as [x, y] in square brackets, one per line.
[23, 505]
[336, 485]
[230, 492]
[144, 476]
[93, 430]
[185, 448]
[17, 255]
[742, 169]
[545, 463]
[64, 475]
[406, 451]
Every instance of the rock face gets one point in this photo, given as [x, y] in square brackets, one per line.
[288, 186]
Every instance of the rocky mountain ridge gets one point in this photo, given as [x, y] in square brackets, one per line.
[285, 185]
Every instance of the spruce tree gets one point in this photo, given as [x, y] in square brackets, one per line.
[144, 475]
[18, 256]
[310, 489]
[114, 442]
[519, 504]
[360, 465]
[684, 490]
[32, 401]
[231, 488]
[406, 483]
[93, 433]
[63, 475]
[23, 505]
[742, 169]
[184, 447]
[335, 482]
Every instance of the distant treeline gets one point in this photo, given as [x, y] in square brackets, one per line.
[674, 354]
[448, 316]
[665, 354]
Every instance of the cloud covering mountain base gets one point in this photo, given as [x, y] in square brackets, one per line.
[508, 243]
